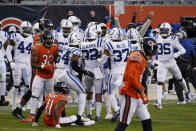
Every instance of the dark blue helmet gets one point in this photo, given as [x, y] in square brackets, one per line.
[60, 87]
[45, 24]
[131, 25]
[149, 46]
[46, 38]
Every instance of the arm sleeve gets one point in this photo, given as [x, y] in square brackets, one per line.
[8, 53]
[117, 23]
[145, 27]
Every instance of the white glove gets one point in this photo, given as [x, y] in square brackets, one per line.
[35, 124]
[13, 66]
[58, 126]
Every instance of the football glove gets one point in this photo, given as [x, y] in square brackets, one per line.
[144, 98]
[48, 67]
[12, 65]
[89, 73]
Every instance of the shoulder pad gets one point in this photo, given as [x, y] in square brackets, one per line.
[135, 57]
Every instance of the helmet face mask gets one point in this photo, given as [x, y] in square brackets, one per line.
[46, 38]
[66, 27]
[134, 36]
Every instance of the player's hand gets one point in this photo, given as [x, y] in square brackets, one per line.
[12, 65]
[49, 67]
[89, 73]
[150, 14]
[144, 98]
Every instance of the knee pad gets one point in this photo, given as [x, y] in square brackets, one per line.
[98, 97]
[147, 125]
[120, 127]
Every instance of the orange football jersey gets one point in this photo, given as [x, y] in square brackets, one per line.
[36, 38]
[136, 64]
[51, 100]
[45, 56]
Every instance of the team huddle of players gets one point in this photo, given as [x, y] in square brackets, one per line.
[88, 62]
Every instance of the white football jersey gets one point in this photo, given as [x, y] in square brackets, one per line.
[3, 37]
[22, 48]
[135, 47]
[79, 31]
[63, 45]
[67, 55]
[119, 52]
[90, 51]
[166, 48]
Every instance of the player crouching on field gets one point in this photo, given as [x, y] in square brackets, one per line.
[53, 107]
[132, 96]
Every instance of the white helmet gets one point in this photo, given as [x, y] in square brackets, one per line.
[102, 25]
[91, 24]
[98, 29]
[36, 28]
[74, 20]
[12, 29]
[133, 35]
[90, 33]
[74, 39]
[116, 34]
[26, 28]
[66, 27]
[165, 29]
[62, 21]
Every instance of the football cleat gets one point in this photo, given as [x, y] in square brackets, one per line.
[173, 92]
[79, 120]
[29, 119]
[89, 123]
[4, 103]
[181, 102]
[97, 118]
[115, 116]
[35, 124]
[158, 105]
[109, 115]
[89, 116]
[164, 95]
[190, 97]
[17, 113]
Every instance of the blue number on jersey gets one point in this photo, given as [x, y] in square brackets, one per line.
[0, 45]
[65, 57]
[164, 49]
[61, 44]
[22, 48]
[119, 55]
[91, 54]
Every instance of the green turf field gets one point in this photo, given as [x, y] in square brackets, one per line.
[172, 117]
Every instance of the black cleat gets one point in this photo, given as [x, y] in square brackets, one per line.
[115, 116]
[79, 120]
[17, 113]
[4, 103]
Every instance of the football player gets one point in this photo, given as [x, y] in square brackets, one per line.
[90, 50]
[43, 59]
[20, 64]
[132, 96]
[166, 60]
[3, 39]
[117, 50]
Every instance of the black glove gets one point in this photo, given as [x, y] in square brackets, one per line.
[99, 55]
[89, 73]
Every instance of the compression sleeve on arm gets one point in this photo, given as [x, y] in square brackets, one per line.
[8, 53]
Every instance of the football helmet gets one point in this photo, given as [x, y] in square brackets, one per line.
[134, 36]
[62, 21]
[90, 33]
[91, 24]
[74, 20]
[74, 39]
[46, 38]
[103, 28]
[66, 27]
[116, 34]
[98, 29]
[149, 46]
[12, 29]
[36, 28]
[45, 24]
[131, 25]
[26, 28]
[60, 87]
[165, 29]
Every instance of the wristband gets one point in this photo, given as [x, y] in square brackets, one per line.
[42, 66]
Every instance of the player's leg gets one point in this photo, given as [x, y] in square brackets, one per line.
[98, 84]
[3, 102]
[127, 109]
[144, 116]
[175, 71]
[37, 87]
[17, 77]
[161, 75]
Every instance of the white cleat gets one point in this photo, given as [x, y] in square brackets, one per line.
[172, 92]
[158, 105]
[190, 97]
[109, 115]
[58, 126]
[85, 119]
[164, 95]
[89, 123]
[35, 124]
[181, 102]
